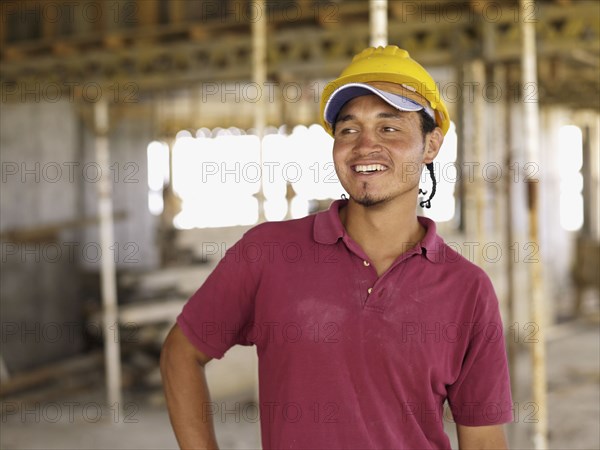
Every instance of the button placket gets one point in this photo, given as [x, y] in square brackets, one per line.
[378, 296]
[366, 279]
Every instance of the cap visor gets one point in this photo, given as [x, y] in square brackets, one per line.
[347, 92]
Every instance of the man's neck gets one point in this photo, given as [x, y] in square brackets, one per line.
[383, 231]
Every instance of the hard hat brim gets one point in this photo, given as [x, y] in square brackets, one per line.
[347, 92]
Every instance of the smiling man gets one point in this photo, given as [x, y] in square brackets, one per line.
[371, 323]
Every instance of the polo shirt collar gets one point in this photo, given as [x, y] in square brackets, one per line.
[328, 228]
[431, 244]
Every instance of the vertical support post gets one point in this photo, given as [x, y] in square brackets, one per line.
[378, 22]
[259, 76]
[509, 232]
[112, 352]
[148, 13]
[461, 135]
[472, 159]
[177, 11]
[4, 374]
[479, 140]
[531, 131]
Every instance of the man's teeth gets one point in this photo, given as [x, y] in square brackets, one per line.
[369, 168]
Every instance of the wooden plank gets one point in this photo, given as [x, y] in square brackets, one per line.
[177, 11]
[147, 12]
[25, 380]
[51, 231]
[143, 313]
[4, 373]
[63, 48]
[174, 41]
[3, 28]
[55, 390]
[184, 280]
[49, 17]
[114, 41]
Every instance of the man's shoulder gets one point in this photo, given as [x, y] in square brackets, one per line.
[451, 257]
[281, 231]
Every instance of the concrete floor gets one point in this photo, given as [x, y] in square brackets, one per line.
[79, 422]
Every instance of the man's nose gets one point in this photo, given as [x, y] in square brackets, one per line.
[367, 143]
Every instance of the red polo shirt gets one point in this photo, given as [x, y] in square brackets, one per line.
[348, 359]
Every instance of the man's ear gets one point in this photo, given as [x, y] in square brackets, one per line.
[433, 142]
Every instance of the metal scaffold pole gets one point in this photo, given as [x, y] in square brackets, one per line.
[531, 124]
[108, 277]
[478, 139]
[378, 22]
[509, 235]
[259, 76]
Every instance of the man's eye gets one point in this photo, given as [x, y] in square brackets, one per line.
[347, 131]
[389, 129]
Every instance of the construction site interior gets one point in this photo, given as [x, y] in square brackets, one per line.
[139, 139]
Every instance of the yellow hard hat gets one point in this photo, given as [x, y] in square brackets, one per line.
[392, 74]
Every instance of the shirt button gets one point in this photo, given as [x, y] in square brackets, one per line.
[370, 290]
[366, 263]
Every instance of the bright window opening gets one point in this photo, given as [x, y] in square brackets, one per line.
[310, 168]
[158, 174]
[570, 162]
[444, 203]
[216, 179]
[218, 173]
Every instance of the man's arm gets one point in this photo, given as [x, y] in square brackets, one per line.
[184, 383]
[481, 438]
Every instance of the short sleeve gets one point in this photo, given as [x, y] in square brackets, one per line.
[220, 312]
[481, 393]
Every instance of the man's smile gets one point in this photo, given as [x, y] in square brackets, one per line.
[369, 168]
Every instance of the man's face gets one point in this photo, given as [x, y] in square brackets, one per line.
[379, 151]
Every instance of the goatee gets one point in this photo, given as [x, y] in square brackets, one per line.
[367, 201]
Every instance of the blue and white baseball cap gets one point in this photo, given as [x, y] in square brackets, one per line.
[347, 92]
